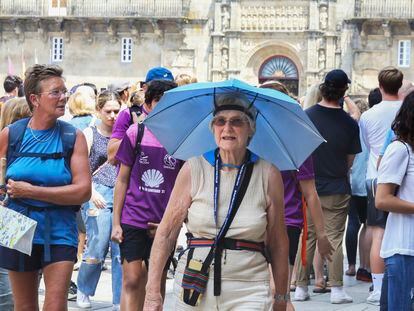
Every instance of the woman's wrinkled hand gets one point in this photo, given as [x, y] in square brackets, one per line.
[18, 189]
[153, 302]
[98, 200]
[116, 235]
[325, 248]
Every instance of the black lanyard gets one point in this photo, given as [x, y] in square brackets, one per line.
[236, 188]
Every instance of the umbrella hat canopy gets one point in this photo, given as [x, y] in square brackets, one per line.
[284, 134]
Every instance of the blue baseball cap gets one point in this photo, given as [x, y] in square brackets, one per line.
[159, 73]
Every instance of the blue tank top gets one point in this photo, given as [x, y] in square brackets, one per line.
[48, 172]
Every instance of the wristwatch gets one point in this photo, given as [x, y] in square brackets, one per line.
[282, 298]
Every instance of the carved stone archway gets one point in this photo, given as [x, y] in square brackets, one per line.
[266, 53]
[283, 69]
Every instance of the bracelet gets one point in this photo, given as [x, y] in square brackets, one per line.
[281, 298]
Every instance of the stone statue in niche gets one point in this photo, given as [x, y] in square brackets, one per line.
[323, 18]
[225, 18]
[322, 59]
[225, 58]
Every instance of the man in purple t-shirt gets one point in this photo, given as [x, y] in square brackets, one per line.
[124, 120]
[143, 187]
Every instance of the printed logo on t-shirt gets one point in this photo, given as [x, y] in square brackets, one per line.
[143, 159]
[152, 179]
[170, 162]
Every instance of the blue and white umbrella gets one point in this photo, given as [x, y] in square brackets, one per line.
[284, 136]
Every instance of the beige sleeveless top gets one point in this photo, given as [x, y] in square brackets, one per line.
[249, 223]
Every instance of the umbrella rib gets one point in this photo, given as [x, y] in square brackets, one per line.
[183, 140]
[281, 141]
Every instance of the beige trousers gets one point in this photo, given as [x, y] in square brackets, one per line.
[335, 210]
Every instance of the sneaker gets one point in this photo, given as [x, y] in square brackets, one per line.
[301, 293]
[374, 298]
[338, 295]
[104, 267]
[116, 307]
[73, 289]
[83, 301]
[363, 275]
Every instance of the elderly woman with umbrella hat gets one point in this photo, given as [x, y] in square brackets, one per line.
[232, 200]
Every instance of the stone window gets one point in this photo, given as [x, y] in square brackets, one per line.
[57, 7]
[126, 50]
[57, 49]
[404, 53]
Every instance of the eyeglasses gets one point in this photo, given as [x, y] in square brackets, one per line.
[57, 94]
[234, 122]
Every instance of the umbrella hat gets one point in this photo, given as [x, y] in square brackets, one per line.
[284, 136]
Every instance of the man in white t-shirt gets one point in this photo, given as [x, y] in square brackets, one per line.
[374, 125]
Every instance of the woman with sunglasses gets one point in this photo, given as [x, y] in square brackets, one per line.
[48, 186]
[232, 202]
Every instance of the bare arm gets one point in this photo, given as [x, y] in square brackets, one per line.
[312, 199]
[350, 160]
[166, 236]
[121, 186]
[352, 108]
[113, 146]
[276, 236]
[78, 192]
[386, 200]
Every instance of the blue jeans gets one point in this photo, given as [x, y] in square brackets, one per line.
[400, 270]
[6, 297]
[98, 233]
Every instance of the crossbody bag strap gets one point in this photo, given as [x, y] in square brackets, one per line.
[215, 251]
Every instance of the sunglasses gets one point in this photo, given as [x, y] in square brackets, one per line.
[234, 122]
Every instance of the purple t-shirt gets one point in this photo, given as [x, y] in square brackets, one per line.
[152, 178]
[293, 197]
[122, 123]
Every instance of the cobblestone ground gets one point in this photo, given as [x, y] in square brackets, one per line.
[320, 302]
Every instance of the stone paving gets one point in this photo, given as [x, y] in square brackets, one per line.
[320, 302]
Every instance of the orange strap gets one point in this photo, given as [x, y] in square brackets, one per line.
[305, 231]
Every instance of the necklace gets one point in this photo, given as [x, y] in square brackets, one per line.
[45, 139]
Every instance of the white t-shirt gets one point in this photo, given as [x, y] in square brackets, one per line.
[399, 230]
[374, 125]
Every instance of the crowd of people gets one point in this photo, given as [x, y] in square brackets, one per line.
[83, 165]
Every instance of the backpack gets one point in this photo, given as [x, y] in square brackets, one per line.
[16, 134]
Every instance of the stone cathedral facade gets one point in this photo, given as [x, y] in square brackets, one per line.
[295, 41]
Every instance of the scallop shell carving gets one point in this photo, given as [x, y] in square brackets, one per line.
[152, 178]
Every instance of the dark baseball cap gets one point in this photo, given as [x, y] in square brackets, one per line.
[159, 73]
[337, 78]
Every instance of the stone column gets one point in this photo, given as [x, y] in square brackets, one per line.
[313, 15]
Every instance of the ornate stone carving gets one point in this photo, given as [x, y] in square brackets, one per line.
[322, 59]
[19, 30]
[387, 32]
[184, 59]
[224, 58]
[135, 31]
[112, 32]
[88, 33]
[323, 17]
[225, 18]
[271, 18]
